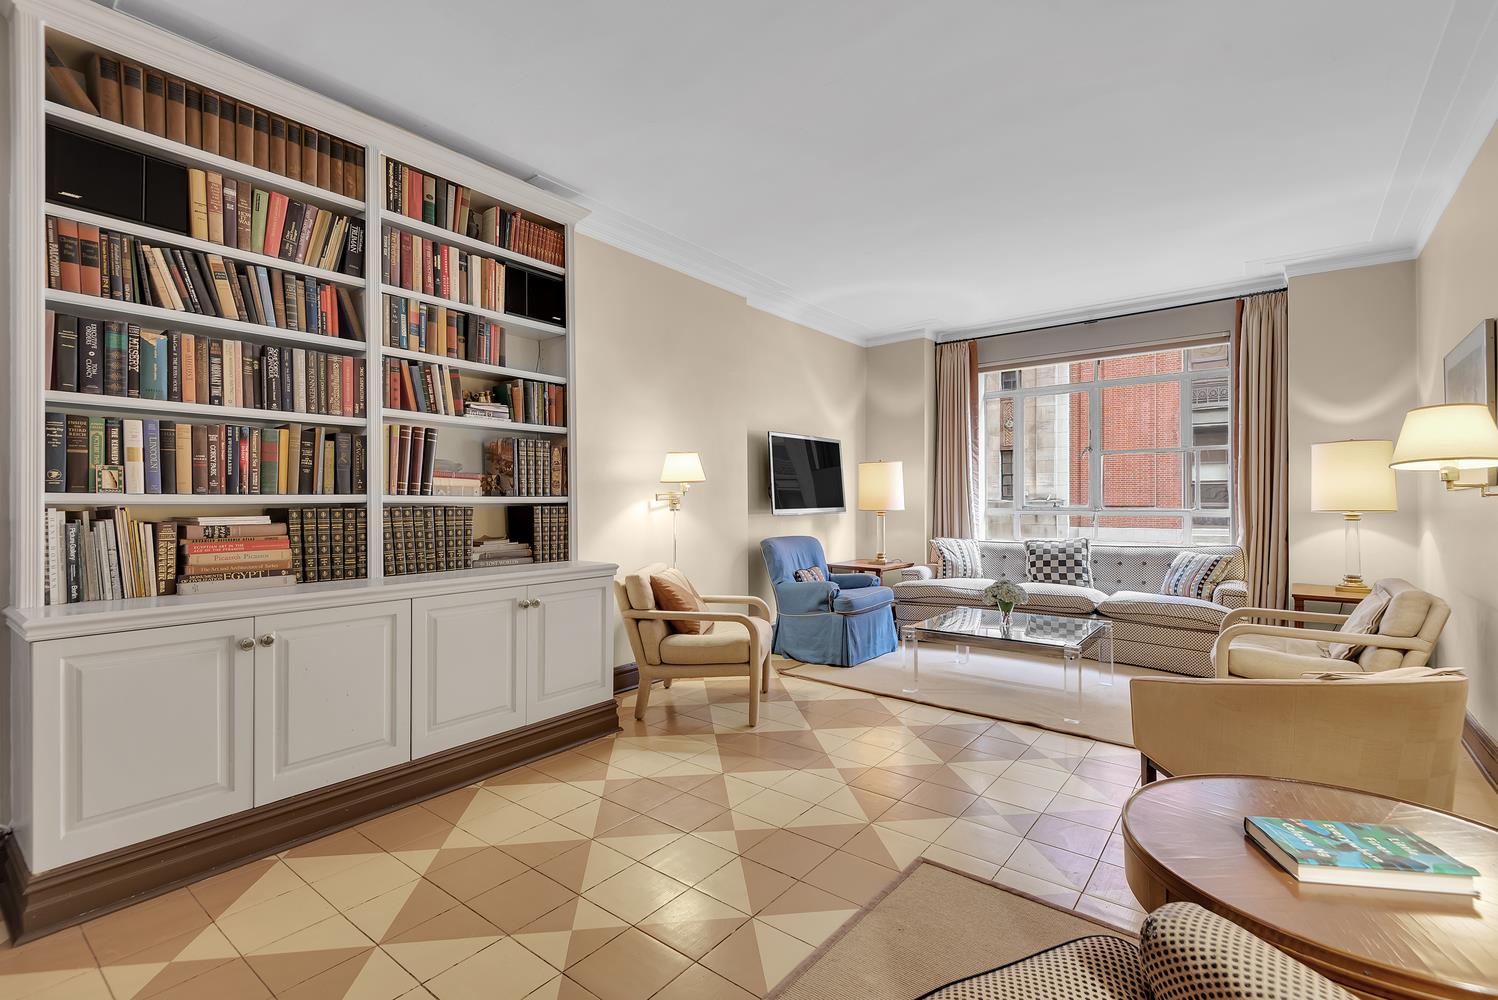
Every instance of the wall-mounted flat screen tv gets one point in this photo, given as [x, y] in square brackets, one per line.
[806, 474]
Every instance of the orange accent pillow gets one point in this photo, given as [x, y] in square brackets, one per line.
[674, 592]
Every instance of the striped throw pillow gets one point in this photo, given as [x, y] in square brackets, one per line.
[957, 558]
[1194, 574]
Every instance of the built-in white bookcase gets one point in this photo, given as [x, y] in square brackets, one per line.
[538, 350]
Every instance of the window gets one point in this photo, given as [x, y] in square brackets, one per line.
[1123, 448]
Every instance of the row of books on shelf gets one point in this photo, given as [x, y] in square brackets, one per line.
[436, 268]
[525, 467]
[442, 203]
[114, 358]
[86, 259]
[545, 526]
[412, 325]
[149, 457]
[410, 460]
[427, 539]
[420, 387]
[240, 216]
[500, 552]
[147, 99]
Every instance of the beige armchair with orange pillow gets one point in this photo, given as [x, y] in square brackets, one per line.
[674, 634]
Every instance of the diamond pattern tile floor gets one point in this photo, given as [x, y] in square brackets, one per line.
[686, 857]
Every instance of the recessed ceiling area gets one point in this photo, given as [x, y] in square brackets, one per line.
[870, 167]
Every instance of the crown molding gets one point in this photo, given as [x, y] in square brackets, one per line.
[899, 336]
[1345, 258]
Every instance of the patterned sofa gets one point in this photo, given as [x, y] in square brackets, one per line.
[1149, 628]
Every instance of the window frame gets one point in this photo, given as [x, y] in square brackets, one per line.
[1188, 379]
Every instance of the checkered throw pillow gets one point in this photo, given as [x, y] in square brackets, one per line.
[809, 574]
[1194, 574]
[1059, 560]
[957, 558]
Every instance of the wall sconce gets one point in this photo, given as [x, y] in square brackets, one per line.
[1449, 438]
[682, 468]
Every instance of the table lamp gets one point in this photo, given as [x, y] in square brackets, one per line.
[1450, 438]
[682, 468]
[1352, 478]
[881, 488]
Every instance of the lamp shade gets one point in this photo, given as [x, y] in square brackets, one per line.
[1454, 435]
[682, 467]
[881, 485]
[1352, 476]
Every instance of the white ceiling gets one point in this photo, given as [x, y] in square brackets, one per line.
[871, 167]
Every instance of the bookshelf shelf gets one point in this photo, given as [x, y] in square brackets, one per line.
[430, 232]
[198, 500]
[156, 318]
[166, 237]
[526, 327]
[480, 424]
[475, 367]
[396, 501]
[188, 156]
[78, 402]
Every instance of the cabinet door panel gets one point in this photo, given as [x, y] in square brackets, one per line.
[467, 670]
[570, 635]
[138, 734]
[332, 696]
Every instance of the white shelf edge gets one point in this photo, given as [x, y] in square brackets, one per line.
[202, 500]
[427, 231]
[509, 320]
[166, 237]
[399, 501]
[468, 423]
[185, 155]
[477, 367]
[156, 317]
[207, 413]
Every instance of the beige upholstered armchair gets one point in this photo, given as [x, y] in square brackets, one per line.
[737, 645]
[1407, 632]
[1388, 734]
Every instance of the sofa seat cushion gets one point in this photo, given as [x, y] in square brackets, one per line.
[1271, 657]
[948, 592]
[727, 643]
[1161, 609]
[1061, 599]
[847, 602]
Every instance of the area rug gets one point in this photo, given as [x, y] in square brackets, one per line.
[1011, 686]
[933, 926]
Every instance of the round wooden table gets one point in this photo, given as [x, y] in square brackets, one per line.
[1184, 840]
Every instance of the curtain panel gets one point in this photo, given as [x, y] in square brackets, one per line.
[957, 504]
[1261, 428]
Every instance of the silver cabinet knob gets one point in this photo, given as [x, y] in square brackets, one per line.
[247, 644]
[268, 639]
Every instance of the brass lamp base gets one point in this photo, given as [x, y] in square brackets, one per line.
[1353, 585]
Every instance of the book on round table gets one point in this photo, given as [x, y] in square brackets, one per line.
[1371, 855]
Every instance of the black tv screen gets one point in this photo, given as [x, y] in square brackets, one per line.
[806, 474]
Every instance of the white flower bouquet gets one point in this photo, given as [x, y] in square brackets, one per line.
[1005, 595]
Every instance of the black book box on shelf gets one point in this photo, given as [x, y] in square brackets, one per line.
[111, 180]
[535, 294]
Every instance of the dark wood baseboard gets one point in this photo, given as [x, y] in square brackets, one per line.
[626, 678]
[1483, 748]
[37, 904]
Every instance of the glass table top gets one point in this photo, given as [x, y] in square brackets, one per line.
[987, 623]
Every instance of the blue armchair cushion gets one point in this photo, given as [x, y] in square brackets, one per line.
[864, 599]
[805, 598]
[852, 581]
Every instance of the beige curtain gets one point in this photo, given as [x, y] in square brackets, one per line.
[1262, 454]
[957, 488]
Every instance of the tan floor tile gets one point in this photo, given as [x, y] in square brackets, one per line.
[939, 798]
[1030, 773]
[850, 877]
[257, 926]
[311, 951]
[397, 911]
[88, 986]
[44, 963]
[331, 854]
[635, 892]
[809, 787]
[1069, 836]
[1049, 892]
[403, 826]
[540, 844]
[734, 831]
[561, 988]
[773, 807]
[979, 841]
[693, 923]
[886, 783]
[364, 882]
[465, 804]
[163, 966]
[976, 867]
[641, 795]
[914, 821]
[887, 848]
[1052, 864]
[1083, 811]
[234, 980]
[701, 983]
[476, 874]
[570, 933]
[641, 836]
[859, 803]
[372, 975]
[725, 791]
[826, 826]
[1017, 793]
[1097, 790]
[125, 932]
[1122, 917]
[432, 947]
[1105, 770]
[515, 903]
[757, 957]
[1000, 816]
[689, 860]
[556, 800]
[789, 853]
[502, 971]
[245, 886]
[1113, 854]
[585, 866]
[596, 816]
[1108, 883]
[745, 885]
[633, 966]
[807, 913]
[425, 855]
[495, 826]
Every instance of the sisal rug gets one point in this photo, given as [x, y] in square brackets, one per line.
[931, 927]
[1007, 685]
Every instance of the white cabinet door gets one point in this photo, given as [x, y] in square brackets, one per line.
[332, 696]
[570, 632]
[467, 668]
[136, 734]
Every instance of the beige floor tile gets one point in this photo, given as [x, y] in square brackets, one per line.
[1075, 837]
[635, 892]
[745, 885]
[689, 860]
[1029, 773]
[585, 866]
[693, 923]
[513, 904]
[327, 855]
[125, 932]
[91, 985]
[570, 933]
[1052, 864]
[633, 966]
[476, 874]
[402, 908]
[257, 926]
[756, 957]
[1083, 811]
[1108, 883]
[1097, 790]
[1017, 793]
[495, 826]
[976, 867]
[641, 836]
[311, 951]
[701, 983]
[234, 980]
[163, 966]
[850, 877]
[597, 816]
[373, 975]
[245, 886]
[1122, 917]
[807, 913]
[502, 971]
[1049, 892]
[886, 847]
[365, 881]
[398, 828]
[826, 826]
[44, 963]
[436, 945]
[789, 853]
[979, 841]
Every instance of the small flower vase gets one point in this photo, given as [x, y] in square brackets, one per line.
[1006, 610]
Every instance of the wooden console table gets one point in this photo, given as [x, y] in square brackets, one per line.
[869, 566]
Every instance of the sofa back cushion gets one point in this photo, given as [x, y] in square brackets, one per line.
[1194, 574]
[1058, 560]
[1114, 567]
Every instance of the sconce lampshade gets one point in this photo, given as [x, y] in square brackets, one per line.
[1453, 435]
[682, 467]
[881, 486]
[1353, 476]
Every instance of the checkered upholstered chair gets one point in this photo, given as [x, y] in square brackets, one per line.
[1184, 953]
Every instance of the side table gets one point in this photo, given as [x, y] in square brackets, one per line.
[875, 569]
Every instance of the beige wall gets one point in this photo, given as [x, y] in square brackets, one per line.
[901, 427]
[1352, 334]
[669, 363]
[1456, 286]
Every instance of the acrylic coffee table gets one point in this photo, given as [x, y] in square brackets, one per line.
[1052, 635]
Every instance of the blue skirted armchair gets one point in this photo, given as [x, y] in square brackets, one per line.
[842, 619]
